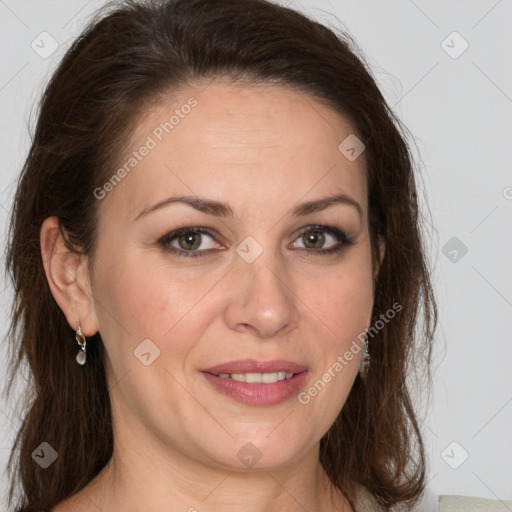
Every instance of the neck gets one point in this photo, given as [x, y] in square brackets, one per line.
[143, 479]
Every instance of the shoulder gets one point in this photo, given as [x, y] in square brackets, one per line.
[366, 502]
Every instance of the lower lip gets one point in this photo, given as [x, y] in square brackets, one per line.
[258, 394]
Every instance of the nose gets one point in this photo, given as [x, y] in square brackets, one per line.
[262, 301]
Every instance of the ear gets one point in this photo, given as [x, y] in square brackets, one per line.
[68, 278]
[382, 250]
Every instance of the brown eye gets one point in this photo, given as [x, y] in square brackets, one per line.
[313, 239]
[322, 240]
[189, 241]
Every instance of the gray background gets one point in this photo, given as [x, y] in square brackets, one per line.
[459, 108]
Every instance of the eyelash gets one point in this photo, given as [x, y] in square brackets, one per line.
[343, 239]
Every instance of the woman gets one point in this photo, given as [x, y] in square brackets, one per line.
[218, 264]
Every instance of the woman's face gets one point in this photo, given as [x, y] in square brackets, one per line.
[245, 280]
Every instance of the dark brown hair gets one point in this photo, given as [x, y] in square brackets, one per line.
[130, 55]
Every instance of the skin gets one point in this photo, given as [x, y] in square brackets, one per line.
[262, 150]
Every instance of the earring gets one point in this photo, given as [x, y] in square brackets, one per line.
[365, 361]
[80, 338]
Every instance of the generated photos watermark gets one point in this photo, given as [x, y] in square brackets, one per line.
[152, 141]
[342, 361]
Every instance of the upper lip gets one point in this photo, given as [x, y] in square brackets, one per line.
[253, 366]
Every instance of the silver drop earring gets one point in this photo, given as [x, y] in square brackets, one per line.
[80, 338]
[365, 361]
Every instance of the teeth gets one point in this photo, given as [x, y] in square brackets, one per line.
[258, 378]
[253, 378]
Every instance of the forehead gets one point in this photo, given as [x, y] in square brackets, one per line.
[243, 142]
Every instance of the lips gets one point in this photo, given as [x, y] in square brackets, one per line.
[230, 382]
[254, 366]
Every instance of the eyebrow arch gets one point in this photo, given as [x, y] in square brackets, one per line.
[321, 204]
[203, 205]
[219, 209]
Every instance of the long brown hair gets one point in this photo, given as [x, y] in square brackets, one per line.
[129, 55]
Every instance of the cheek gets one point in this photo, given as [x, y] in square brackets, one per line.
[341, 306]
[350, 306]
[149, 298]
[343, 298]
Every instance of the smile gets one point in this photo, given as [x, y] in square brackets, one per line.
[257, 378]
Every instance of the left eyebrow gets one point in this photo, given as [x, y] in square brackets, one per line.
[321, 204]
